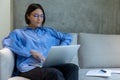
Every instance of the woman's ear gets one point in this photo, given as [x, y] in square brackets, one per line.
[28, 17]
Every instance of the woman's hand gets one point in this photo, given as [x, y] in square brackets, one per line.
[38, 56]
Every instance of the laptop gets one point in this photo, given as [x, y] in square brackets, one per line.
[59, 55]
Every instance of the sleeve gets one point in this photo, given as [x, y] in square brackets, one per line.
[65, 38]
[14, 42]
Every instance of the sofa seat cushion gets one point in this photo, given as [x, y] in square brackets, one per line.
[18, 78]
[99, 50]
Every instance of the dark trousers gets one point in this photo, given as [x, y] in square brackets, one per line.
[59, 72]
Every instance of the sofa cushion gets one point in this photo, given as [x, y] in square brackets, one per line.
[74, 37]
[18, 78]
[74, 42]
[99, 50]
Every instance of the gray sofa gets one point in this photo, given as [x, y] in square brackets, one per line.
[96, 51]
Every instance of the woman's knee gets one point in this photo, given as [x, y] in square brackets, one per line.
[72, 66]
[56, 74]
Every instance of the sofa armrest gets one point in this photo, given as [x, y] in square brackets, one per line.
[6, 63]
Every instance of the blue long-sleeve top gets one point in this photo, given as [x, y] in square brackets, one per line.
[21, 41]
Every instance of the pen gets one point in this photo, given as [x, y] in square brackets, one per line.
[103, 70]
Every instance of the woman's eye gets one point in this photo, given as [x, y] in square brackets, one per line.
[37, 16]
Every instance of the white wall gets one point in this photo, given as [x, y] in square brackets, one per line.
[5, 18]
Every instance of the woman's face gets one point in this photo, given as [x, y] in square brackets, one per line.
[36, 18]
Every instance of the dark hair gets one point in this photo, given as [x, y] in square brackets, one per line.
[30, 9]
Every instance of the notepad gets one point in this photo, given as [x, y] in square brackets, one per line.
[99, 72]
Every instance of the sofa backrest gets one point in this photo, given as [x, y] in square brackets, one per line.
[99, 50]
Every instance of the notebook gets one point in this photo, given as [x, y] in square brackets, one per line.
[99, 72]
[59, 55]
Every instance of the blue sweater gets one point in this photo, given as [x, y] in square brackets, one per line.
[21, 41]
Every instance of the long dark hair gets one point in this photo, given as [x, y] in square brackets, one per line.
[30, 9]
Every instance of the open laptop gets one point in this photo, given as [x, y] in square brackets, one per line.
[60, 55]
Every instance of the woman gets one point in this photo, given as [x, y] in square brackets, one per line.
[31, 45]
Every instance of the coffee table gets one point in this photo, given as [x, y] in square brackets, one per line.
[82, 75]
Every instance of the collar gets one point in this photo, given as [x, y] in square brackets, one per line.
[29, 28]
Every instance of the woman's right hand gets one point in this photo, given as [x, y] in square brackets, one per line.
[38, 56]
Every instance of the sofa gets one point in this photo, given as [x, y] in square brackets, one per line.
[97, 51]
